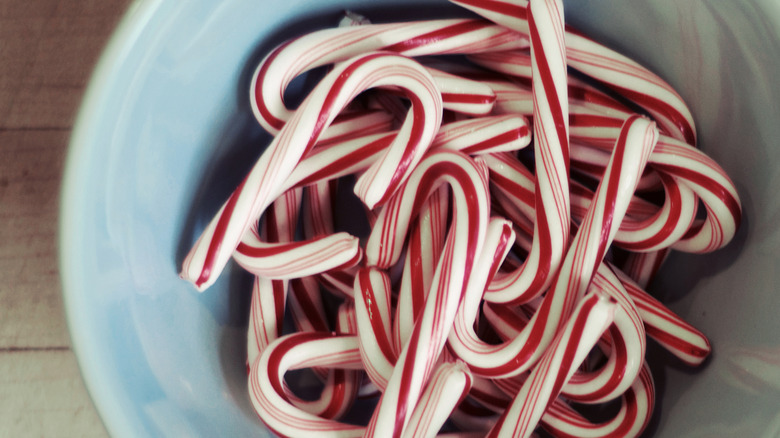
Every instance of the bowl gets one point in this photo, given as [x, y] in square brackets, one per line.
[165, 132]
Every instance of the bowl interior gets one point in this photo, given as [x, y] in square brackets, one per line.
[166, 133]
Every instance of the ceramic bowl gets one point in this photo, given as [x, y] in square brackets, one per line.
[166, 132]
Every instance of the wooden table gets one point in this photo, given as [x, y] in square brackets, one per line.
[48, 49]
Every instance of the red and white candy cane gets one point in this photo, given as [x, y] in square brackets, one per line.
[551, 152]
[471, 210]
[691, 167]
[297, 259]
[631, 420]
[586, 252]
[586, 101]
[264, 182]
[711, 184]
[624, 344]
[269, 394]
[474, 136]
[283, 258]
[571, 346]
[348, 156]
[647, 228]
[268, 308]
[356, 123]
[664, 326]
[328, 46]
[617, 71]
[484, 135]
[340, 386]
[319, 220]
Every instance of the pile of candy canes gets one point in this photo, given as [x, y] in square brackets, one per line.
[495, 289]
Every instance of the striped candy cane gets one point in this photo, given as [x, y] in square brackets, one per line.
[281, 66]
[616, 71]
[631, 420]
[468, 182]
[587, 251]
[570, 347]
[551, 148]
[213, 249]
[268, 392]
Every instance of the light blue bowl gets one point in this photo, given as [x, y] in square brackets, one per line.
[165, 133]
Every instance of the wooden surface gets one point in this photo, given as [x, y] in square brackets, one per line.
[48, 49]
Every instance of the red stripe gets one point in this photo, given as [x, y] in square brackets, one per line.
[274, 249]
[280, 297]
[550, 90]
[475, 99]
[219, 235]
[612, 186]
[267, 116]
[497, 140]
[676, 343]
[374, 314]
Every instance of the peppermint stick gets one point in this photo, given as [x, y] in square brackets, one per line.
[215, 246]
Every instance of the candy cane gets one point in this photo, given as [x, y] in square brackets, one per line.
[328, 46]
[631, 420]
[297, 259]
[550, 117]
[586, 100]
[708, 181]
[307, 310]
[626, 347]
[661, 228]
[712, 185]
[618, 72]
[586, 253]
[319, 220]
[484, 135]
[340, 389]
[672, 332]
[356, 123]
[466, 235]
[570, 347]
[213, 249]
[295, 351]
[266, 314]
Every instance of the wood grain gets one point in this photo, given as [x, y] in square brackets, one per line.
[48, 49]
[42, 395]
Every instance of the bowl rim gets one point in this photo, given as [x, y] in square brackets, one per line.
[135, 18]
